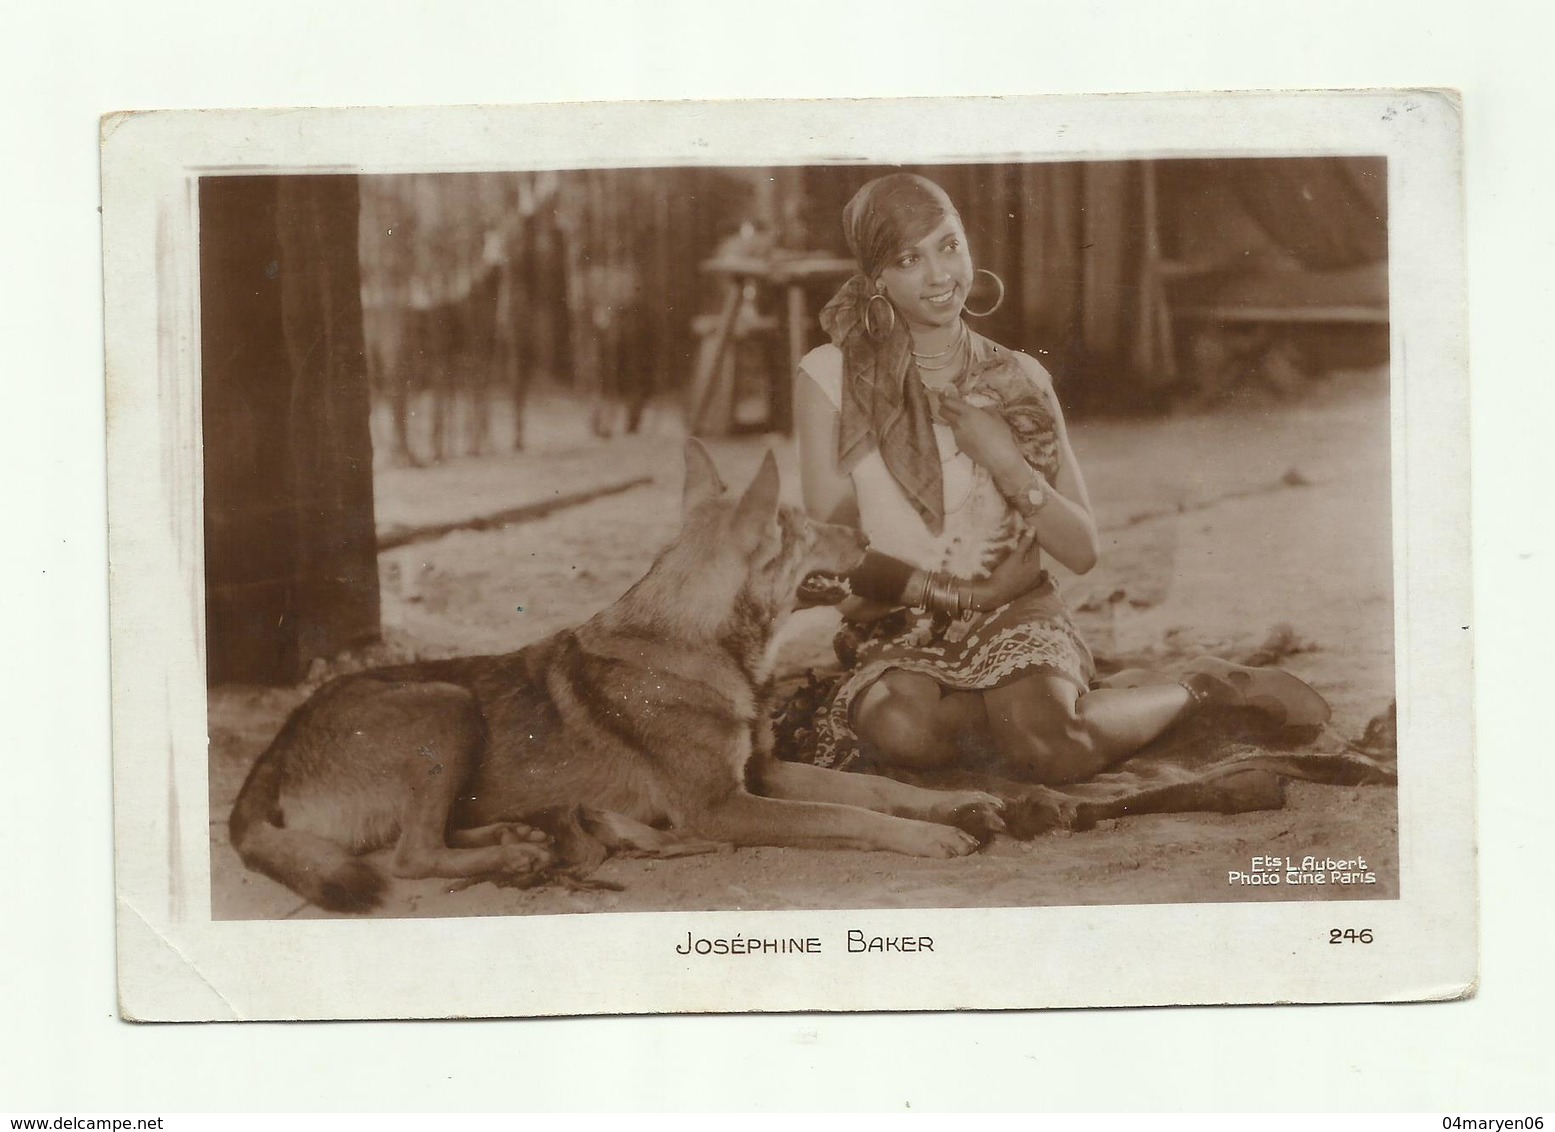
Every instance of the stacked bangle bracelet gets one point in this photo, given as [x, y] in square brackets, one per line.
[940, 593]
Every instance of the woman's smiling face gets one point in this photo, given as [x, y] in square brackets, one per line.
[928, 282]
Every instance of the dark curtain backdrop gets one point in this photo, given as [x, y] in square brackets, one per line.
[1327, 213]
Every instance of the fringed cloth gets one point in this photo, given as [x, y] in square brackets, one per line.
[1031, 634]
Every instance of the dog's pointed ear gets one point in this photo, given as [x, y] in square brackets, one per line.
[702, 479]
[758, 506]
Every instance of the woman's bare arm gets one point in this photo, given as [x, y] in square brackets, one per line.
[1065, 526]
[1070, 482]
[828, 493]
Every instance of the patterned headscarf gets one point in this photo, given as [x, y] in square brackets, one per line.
[883, 403]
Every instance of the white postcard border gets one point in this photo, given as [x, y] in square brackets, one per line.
[175, 963]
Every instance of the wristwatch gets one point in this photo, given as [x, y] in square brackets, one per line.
[1031, 498]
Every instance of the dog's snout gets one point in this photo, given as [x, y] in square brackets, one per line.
[838, 547]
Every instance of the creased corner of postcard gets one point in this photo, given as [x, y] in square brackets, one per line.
[160, 981]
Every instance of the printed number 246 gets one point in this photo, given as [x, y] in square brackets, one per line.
[1349, 935]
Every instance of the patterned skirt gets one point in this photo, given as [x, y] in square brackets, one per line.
[1033, 633]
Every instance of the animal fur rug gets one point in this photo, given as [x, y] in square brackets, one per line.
[1226, 760]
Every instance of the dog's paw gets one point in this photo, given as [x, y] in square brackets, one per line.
[976, 812]
[525, 859]
[929, 840]
[499, 833]
[517, 833]
[517, 866]
[1037, 811]
[982, 819]
[948, 802]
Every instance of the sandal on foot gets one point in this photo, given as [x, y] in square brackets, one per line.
[1285, 697]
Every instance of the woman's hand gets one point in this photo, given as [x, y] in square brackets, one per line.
[982, 435]
[863, 610]
[1020, 571]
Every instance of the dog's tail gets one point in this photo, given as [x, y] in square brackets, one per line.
[317, 868]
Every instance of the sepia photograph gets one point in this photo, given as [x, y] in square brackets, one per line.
[933, 534]
[445, 416]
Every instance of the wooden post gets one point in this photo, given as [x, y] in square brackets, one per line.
[291, 563]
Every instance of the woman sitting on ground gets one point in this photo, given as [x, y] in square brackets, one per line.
[950, 453]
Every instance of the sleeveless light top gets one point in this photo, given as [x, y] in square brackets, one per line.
[980, 526]
[1032, 633]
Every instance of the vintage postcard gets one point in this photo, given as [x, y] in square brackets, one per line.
[815, 556]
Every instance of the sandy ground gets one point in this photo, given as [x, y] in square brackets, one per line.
[1215, 528]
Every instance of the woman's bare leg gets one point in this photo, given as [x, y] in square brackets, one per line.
[1041, 724]
[1047, 727]
[1136, 678]
[908, 719]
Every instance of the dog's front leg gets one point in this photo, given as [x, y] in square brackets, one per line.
[746, 819]
[971, 810]
[449, 738]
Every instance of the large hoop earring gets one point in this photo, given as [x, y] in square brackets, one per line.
[997, 303]
[870, 326]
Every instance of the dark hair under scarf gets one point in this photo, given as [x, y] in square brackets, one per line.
[883, 402]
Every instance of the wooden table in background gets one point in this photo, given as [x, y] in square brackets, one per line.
[712, 385]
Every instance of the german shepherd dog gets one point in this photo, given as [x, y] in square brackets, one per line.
[650, 721]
